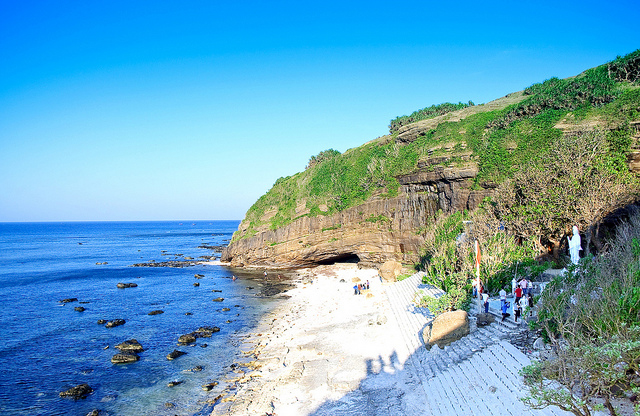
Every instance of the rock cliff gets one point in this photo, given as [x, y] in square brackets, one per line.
[378, 230]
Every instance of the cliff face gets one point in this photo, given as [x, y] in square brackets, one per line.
[380, 229]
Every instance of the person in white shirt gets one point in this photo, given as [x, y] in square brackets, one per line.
[503, 296]
[485, 299]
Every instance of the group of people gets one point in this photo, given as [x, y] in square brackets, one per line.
[520, 302]
[359, 287]
[522, 291]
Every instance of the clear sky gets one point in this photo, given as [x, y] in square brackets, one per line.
[160, 110]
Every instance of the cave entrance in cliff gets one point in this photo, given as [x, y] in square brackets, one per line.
[341, 258]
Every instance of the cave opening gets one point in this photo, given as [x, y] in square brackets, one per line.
[341, 258]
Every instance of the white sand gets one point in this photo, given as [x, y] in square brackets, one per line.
[324, 351]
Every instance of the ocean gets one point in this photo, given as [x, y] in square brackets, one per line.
[47, 346]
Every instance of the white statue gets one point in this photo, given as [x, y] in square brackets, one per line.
[574, 246]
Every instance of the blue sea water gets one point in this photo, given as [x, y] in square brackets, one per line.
[47, 347]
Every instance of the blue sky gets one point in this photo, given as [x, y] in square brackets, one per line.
[160, 110]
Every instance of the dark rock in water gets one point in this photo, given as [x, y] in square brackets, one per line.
[169, 405]
[100, 263]
[187, 339]
[131, 345]
[209, 386]
[205, 345]
[126, 285]
[196, 369]
[79, 309]
[125, 357]
[68, 300]
[175, 354]
[102, 321]
[188, 313]
[225, 309]
[94, 412]
[218, 299]
[217, 291]
[115, 322]
[206, 331]
[170, 263]
[174, 383]
[84, 302]
[196, 284]
[156, 312]
[198, 276]
[78, 392]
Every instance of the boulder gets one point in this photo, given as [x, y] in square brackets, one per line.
[115, 322]
[446, 328]
[218, 299]
[175, 354]
[390, 271]
[484, 319]
[68, 300]
[125, 357]
[206, 331]
[79, 309]
[102, 321]
[539, 344]
[78, 392]
[187, 339]
[156, 312]
[209, 386]
[126, 285]
[174, 383]
[130, 345]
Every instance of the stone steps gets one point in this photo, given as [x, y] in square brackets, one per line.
[476, 375]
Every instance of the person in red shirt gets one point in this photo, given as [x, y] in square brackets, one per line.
[518, 294]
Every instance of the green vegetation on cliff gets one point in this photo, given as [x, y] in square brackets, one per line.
[499, 138]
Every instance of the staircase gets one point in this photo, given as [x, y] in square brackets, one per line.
[476, 375]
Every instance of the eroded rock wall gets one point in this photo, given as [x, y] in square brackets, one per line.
[378, 230]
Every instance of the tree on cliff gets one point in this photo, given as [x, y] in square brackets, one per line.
[321, 157]
[582, 178]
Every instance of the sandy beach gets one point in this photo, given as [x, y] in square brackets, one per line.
[318, 348]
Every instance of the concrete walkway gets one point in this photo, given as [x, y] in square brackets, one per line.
[477, 375]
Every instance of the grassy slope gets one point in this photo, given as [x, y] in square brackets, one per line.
[499, 134]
